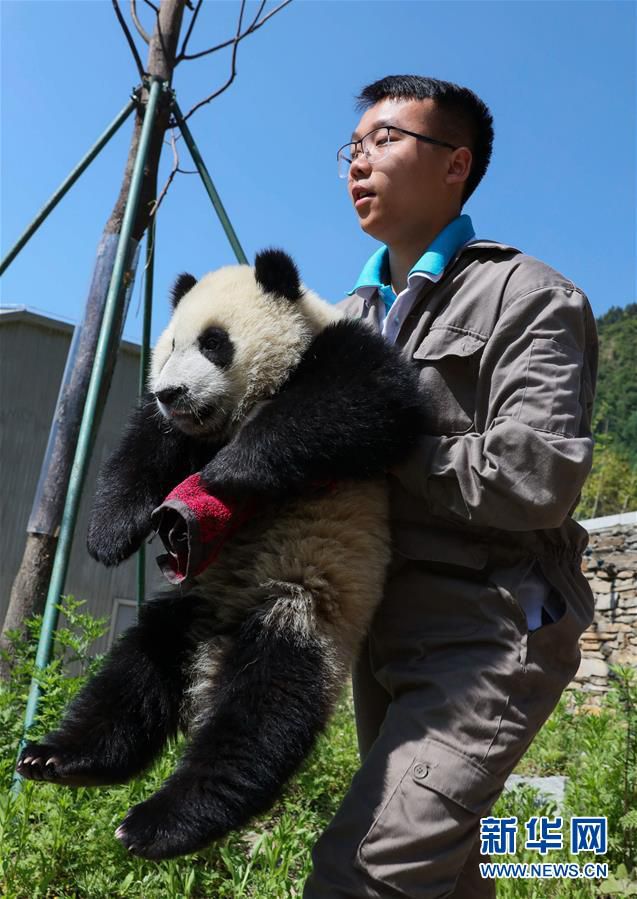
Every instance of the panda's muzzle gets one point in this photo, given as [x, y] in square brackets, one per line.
[170, 395]
[177, 405]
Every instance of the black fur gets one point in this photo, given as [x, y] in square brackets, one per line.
[152, 458]
[351, 409]
[119, 722]
[238, 760]
[180, 288]
[276, 272]
[216, 346]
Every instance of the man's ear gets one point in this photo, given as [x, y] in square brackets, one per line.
[459, 165]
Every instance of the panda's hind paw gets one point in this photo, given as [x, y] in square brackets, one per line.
[51, 762]
[167, 825]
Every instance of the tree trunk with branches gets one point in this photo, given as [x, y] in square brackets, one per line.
[28, 594]
[30, 587]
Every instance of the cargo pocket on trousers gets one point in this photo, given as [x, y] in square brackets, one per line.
[442, 789]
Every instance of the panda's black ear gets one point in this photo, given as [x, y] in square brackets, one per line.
[276, 272]
[180, 288]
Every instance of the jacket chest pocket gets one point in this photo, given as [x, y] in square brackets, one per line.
[448, 361]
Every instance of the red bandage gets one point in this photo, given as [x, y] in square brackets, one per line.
[193, 526]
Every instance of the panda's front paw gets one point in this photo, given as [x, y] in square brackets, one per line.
[112, 542]
[236, 474]
[175, 821]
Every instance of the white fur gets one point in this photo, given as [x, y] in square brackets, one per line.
[315, 566]
[270, 334]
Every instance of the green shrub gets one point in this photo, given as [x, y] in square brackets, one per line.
[597, 751]
[59, 842]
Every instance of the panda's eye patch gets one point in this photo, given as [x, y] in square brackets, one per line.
[216, 346]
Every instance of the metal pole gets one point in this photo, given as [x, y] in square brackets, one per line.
[207, 181]
[144, 359]
[68, 183]
[80, 462]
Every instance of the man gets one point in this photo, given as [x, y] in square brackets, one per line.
[477, 635]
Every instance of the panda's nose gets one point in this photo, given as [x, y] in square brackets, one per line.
[169, 394]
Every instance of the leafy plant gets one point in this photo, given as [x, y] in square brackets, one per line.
[620, 883]
[59, 843]
[616, 405]
[612, 484]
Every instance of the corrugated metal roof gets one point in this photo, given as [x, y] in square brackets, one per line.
[39, 319]
[609, 521]
[28, 400]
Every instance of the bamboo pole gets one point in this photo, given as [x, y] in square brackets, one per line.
[68, 183]
[80, 462]
[209, 186]
[144, 360]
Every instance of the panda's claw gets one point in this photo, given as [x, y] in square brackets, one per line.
[35, 769]
[43, 761]
[59, 765]
[31, 766]
[123, 837]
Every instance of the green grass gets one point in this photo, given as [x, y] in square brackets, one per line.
[59, 844]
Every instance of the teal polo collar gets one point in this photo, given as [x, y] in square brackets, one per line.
[433, 261]
[375, 271]
[445, 246]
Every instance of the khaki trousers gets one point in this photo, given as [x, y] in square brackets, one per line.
[449, 691]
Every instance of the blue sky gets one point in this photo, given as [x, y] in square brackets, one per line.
[559, 78]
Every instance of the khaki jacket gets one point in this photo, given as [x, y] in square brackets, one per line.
[507, 352]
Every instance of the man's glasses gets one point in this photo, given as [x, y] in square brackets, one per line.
[376, 144]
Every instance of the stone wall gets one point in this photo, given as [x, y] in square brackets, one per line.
[610, 564]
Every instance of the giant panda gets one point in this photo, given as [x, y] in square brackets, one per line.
[271, 394]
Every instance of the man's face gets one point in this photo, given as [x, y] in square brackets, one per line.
[409, 186]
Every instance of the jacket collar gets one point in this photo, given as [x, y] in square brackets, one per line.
[359, 307]
[434, 260]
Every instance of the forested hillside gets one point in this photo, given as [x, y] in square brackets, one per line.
[612, 485]
[616, 406]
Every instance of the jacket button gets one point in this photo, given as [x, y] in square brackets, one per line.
[421, 771]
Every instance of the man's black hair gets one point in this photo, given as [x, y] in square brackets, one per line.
[464, 120]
